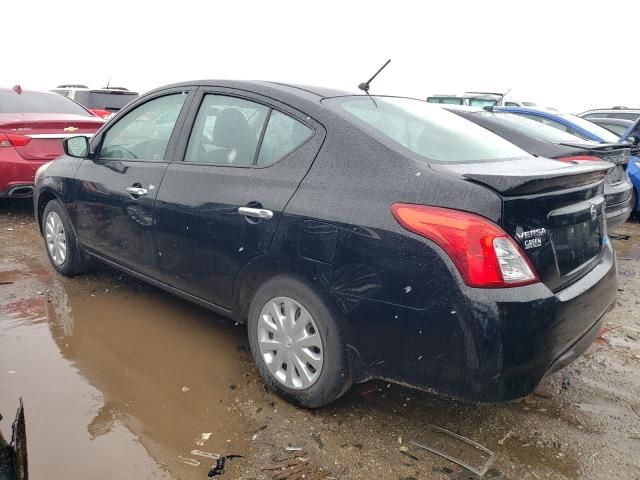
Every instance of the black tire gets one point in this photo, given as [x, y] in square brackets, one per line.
[76, 261]
[335, 376]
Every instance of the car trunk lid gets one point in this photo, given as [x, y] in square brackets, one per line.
[554, 210]
[46, 132]
[614, 153]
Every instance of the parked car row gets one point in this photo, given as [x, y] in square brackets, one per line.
[568, 138]
[103, 102]
[32, 127]
[357, 236]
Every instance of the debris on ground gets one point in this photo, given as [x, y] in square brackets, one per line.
[13, 455]
[200, 453]
[185, 389]
[618, 236]
[600, 338]
[293, 449]
[218, 469]
[479, 470]
[293, 466]
[189, 461]
[504, 439]
[203, 437]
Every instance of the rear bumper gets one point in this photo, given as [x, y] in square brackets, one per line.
[619, 200]
[491, 345]
[16, 172]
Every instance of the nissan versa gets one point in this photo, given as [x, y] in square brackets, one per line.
[357, 237]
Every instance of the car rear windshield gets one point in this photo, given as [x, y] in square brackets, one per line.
[532, 128]
[106, 100]
[426, 129]
[35, 102]
[602, 133]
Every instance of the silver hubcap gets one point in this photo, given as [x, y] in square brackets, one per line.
[56, 239]
[290, 343]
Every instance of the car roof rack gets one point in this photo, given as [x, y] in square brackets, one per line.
[620, 107]
[116, 88]
[72, 85]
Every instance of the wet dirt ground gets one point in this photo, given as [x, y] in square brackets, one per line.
[121, 380]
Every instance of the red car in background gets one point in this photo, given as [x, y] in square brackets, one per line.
[32, 127]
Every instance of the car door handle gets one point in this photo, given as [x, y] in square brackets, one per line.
[260, 213]
[137, 191]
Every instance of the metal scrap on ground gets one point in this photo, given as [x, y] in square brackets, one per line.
[293, 466]
[480, 470]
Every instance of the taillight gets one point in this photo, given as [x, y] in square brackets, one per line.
[485, 255]
[581, 158]
[12, 140]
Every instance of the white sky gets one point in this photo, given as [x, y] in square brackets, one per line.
[568, 54]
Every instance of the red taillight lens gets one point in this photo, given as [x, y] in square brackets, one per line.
[12, 140]
[581, 158]
[485, 255]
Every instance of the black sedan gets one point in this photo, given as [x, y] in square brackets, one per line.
[357, 237]
[550, 142]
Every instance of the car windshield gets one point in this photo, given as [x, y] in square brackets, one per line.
[426, 129]
[36, 102]
[533, 128]
[602, 133]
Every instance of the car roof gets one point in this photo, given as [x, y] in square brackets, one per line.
[611, 110]
[306, 92]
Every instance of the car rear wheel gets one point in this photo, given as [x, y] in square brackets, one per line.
[60, 241]
[297, 343]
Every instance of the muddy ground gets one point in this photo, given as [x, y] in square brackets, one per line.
[121, 380]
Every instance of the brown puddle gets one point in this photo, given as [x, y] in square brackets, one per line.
[118, 382]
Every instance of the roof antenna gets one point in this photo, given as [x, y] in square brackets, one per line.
[366, 85]
[489, 108]
[108, 82]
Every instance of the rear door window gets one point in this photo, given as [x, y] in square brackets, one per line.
[144, 132]
[282, 136]
[226, 131]
[237, 132]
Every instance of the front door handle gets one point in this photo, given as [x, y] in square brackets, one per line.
[137, 191]
[260, 213]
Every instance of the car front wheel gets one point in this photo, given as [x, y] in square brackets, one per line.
[297, 343]
[60, 241]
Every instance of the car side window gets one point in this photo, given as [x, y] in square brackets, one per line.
[227, 131]
[144, 132]
[625, 116]
[595, 115]
[282, 136]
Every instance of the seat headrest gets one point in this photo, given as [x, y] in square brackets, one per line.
[231, 129]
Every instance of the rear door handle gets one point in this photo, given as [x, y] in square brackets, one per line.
[137, 191]
[260, 213]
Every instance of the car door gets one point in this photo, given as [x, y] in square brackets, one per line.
[117, 185]
[219, 206]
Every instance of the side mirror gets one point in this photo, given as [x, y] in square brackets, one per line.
[635, 140]
[77, 147]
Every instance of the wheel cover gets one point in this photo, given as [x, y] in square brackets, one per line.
[55, 238]
[290, 343]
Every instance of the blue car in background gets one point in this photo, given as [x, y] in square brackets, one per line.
[590, 131]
